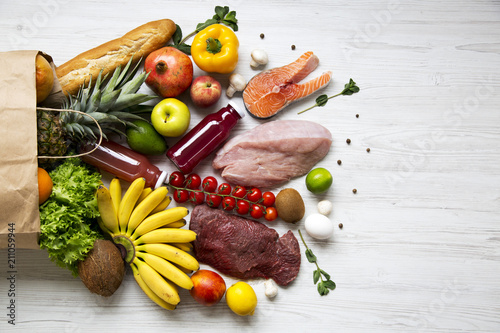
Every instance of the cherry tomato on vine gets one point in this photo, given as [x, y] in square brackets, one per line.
[268, 199]
[181, 196]
[176, 179]
[254, 195]
[256, 211]
[242, 207]
[193, 181]
[224, 189]
[271, 214]
[213, 200]
[239, 192]
[209, 184]
[228, 203]
[196, 197]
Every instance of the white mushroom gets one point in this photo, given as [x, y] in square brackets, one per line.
[325, 207]
[259, 57]
[236, 83]
[271, 288]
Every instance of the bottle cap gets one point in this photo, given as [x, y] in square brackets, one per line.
[241, 113]
[161, 179]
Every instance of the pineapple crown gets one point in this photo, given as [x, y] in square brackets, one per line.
[111, 103]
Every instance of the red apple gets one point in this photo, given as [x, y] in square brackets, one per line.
[170, 72]
[205, 91]
[209, 287]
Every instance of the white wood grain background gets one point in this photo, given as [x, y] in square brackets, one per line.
[420, 247]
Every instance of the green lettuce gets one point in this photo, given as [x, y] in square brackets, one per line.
[68, 226]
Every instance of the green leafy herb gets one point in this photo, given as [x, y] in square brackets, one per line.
[349, 89]
[319, 275]
[222, 16]
[68, 225]
[179, 43]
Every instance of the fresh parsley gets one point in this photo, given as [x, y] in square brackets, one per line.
[349, 89]
[222, 16]
[325, 283]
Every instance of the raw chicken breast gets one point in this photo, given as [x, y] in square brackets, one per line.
[273, 153]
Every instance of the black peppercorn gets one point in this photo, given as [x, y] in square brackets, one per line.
[354, 191]
[339, 162]
[293, 47]
[261, 36]
[348, 141]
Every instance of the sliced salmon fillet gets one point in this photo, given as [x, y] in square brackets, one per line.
[271, 91]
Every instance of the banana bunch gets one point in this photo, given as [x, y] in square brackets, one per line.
[150, 237]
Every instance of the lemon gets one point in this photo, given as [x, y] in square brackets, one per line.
[319, 180]
[241, 299]
[145, 139]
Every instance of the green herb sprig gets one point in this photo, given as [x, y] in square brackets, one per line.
[349, 89]
[325, 285]
[222, 16]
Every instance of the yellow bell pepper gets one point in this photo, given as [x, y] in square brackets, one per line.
[215, 49]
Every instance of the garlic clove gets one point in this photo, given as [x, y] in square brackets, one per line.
[271, 289]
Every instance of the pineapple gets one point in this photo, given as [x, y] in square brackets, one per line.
[114, 103]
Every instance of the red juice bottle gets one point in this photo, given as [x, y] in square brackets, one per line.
[204, 138]
[123, 163]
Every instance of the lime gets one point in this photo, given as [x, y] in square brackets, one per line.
[319, 180]
[241, 299]
[145, 139]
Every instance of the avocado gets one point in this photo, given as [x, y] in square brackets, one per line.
[143, 138]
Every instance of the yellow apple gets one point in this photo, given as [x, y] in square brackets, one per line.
[170, 117]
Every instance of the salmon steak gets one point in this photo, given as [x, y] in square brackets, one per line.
[270, 91]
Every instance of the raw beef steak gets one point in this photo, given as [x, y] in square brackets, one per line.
[244, 248]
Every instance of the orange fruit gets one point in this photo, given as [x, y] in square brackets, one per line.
[44, 78]
[44, 186]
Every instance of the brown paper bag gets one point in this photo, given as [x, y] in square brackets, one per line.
[19, 218]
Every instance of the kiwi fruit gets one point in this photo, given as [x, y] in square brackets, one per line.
[290, 205]
[103, 270]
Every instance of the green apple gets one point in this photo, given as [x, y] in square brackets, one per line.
[170, 117]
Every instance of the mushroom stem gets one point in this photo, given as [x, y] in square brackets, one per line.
[236, 83]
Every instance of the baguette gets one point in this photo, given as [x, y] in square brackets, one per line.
[137, 43]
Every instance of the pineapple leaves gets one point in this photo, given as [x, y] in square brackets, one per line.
[101, 117]
[125, 101]
[113, 82]
[78, 129]
[95, 100]
[139, 109]
[108, 100]
[132, 86]
[112, 102]
[127, 75]
[123, 115]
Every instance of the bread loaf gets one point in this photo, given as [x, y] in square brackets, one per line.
[137, 43]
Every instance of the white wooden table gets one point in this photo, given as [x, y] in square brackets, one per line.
[420, 246]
